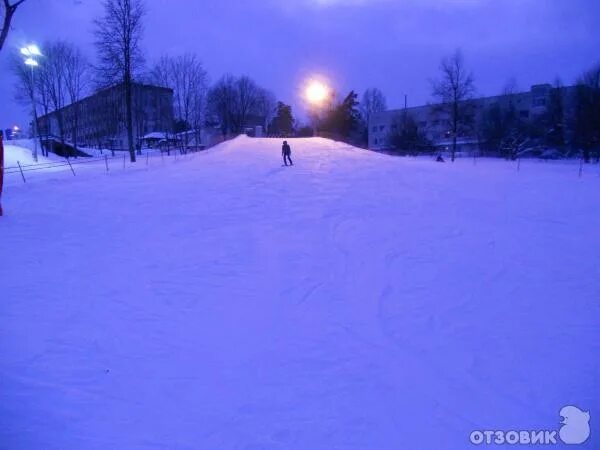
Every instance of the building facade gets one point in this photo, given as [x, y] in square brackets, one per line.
[435, 124]
[100, 119]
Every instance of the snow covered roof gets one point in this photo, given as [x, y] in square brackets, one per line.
[155, 135]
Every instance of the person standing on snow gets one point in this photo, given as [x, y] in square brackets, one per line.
[286, 151]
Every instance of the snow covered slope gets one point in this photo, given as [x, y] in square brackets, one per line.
[14, 153]
[353, 301]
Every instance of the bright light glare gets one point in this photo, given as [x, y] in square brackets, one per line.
[34, 50]
[31, 62]
[316, 92]
[31, 50]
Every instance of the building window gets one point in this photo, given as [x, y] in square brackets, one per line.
[381, 127]
[524, 114]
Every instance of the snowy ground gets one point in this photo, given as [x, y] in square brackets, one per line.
[354, 301]
[24, 155]
[19, 152]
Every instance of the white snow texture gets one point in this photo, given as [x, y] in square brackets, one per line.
[353, 301]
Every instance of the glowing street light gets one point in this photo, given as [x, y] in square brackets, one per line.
[30, 52]
[31, 62]
[316, 93]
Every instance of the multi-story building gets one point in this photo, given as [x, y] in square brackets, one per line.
[434, 123]
[100, 119]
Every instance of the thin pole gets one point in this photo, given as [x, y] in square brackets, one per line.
[22, 174]
[106, 161]
[71, 166]
[35, 147]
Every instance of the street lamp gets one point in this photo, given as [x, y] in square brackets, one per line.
[30, 53]
[316, 94]
[31, 50]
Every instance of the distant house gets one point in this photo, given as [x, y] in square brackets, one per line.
[99, 120]
[156, 139]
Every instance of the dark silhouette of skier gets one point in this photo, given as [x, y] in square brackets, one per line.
[286, 151]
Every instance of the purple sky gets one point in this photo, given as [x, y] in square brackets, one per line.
[395, 45]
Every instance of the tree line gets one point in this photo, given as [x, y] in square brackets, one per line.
[568, 121]
[65, 76]
[232, 103]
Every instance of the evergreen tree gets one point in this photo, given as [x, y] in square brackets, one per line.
[555, 117]
[586, 126]
[406, 137]
[349, 114]
[344, 118]
[283, 122]
[502, 130]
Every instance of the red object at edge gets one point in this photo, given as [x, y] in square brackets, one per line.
[1, 170]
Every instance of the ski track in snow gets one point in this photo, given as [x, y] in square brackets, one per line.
[352, 301]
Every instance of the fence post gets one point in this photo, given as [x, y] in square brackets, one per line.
[124, 160]
[1, 170]
[106, 161]
[21, 169]
[71, 166]
[147, 156]
[580, 167]
[518, 164]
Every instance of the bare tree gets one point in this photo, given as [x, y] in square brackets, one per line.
[266, 107]
[232, 101]
[198, 110]
[118, 36]
[162, 72]
[49, 87]
[8, 12]
[43, 99]
[187, 77]
[221, 102]
[53, 73]
[76, 78]
[454, 89]
[247, 96]
[190, 85]
[373, 101]
[27, 89]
